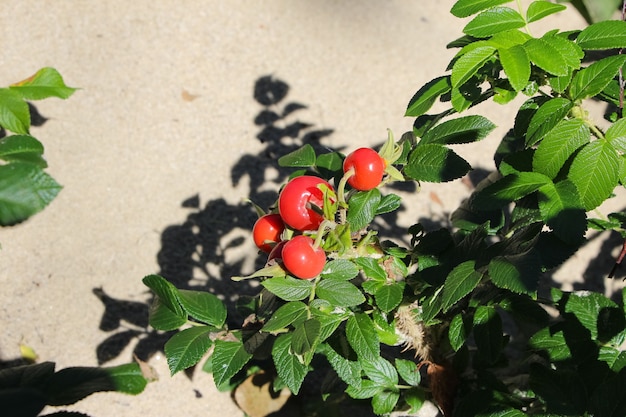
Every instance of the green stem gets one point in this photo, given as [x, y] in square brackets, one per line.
[341, 188]
[521, 12]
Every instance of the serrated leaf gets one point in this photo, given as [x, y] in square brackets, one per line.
[371, 268]
[389, 296]
[615, 358]
[367, 389]
[468, 65]
[466, 129]
[458, 332]
[301, 157]
[340, 269]
[507, 189]
[362, 208]
[339, 293]
[539, 9]
[570, 51]
[289, 368]
[465, 8]
[292, 312]
[435, 163]
[384, 402]
[488, 333]
[349, 371]
[552, 342]
[24, 148]
[590, 81]
[47, 82]
[187, 347]
[228, 358]
[167, 293]
[362, 337]
[610, 34]
[492, 21]
[389, 203]
[305, 336]
[562, 211]
[547, 116]
[163, 318]
[558, 145]
[25, 189]
[516, 66]
[408, 371]
[586, 306]
[203, 306]
[381, 371]
[616, 135]
[594, 171]
[288, 288]
[14, 112]
[460, 281]
[517, 273]
[426, 96]
[546, 56]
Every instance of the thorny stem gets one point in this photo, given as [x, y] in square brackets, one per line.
[621, 71]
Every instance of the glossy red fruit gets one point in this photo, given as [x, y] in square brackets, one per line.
[295, 200]
[267, 230]
[369, 169]
[301, 259]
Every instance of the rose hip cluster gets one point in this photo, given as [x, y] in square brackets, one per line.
[303, 208]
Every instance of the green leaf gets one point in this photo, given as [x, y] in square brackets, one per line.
[228, 358]
[594, 171]
[558, 145]
[492, 21]
[203, 306]
[408, 371]
[339, 293]
[426, 96]
[539, 9]
[292, 312]
[517, 273]
[389, 203]
[616, 135]
[553, 342]
[547, 116]
[587, 306]
[362, 337]
[389, 296]
[14, 112]
[516, 66]
[367, 389]
[163, 318]
[466, 129]
[187, 347]
[465, 8]
[288, 288]
[340, 269]
[488, 333]
[301, 157]
[507, 189]
[590, 81]
[435, 163]
[288, 366]
[570, 51]
[384, 402]
[47, 82]
[362, 208]
[546, 56]
[468, 65]
[381, 371]
[24, 148]
[25, 189]
[305, 336]
[562, 211]
[458, 332]
[371, 268]
[615, 358]
[610, 34]
[349, 371]
[167, 293]
[460, 281]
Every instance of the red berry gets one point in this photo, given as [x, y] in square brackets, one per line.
[267, 230]
[295, 200]
[369, 169]
[301, 259]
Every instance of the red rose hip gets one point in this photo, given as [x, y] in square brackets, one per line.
[301, 259]
[296, 200]
[369, 168]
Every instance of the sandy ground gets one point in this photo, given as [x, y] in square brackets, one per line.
[161, 144]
